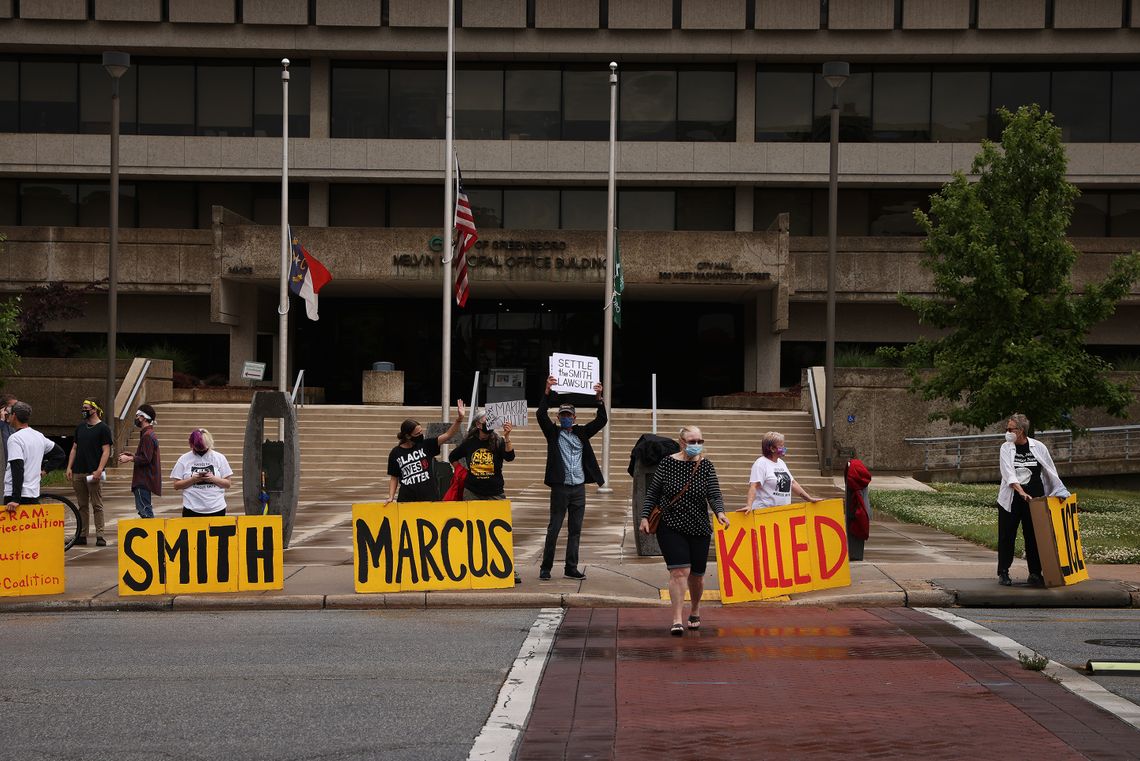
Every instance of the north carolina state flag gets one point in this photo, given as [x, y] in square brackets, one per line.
[306, 276]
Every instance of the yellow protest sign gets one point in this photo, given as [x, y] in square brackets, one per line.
[782, 550]
[1056, 528]
[416, 546]
[31, 550]
[199, 555]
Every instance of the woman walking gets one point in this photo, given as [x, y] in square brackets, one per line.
[685, 486]
[202, 475]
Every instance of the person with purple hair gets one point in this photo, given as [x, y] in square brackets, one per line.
[202, 475]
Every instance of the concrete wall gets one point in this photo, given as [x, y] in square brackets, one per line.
[360, 12]
[128, 10]
[861, 14]
[425, 13]
[1087, 14]
[203, 11]
[294, 12]
[494, 14]
[1011, 14]
[641, 14]
[56, 10]
[936, 14]
[786, 14]
[713, 14]
[559, 14]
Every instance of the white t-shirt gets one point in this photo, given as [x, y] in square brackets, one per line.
[774, 483]
[204, 497]
[30, 446]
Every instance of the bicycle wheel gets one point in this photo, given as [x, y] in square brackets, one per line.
[71, 523]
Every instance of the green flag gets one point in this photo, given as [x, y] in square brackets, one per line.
[619, 281]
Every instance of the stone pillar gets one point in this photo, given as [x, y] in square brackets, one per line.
[238, 310]
[319, 83]
[318, 204]
[746, 102]
[761, 345]
[745, 208]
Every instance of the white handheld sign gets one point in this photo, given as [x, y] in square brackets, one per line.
[574, 373]
[513, 412]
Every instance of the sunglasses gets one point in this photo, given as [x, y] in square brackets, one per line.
[694, 441]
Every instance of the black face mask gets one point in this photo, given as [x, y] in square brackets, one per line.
[138, 423]
[86, 414]
[417, 440]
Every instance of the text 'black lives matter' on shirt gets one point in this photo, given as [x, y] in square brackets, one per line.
[412, 467]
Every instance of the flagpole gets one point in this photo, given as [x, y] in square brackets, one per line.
[448, 211]
[608, 311]
[283, 305]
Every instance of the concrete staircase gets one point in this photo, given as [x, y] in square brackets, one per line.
[345, 448]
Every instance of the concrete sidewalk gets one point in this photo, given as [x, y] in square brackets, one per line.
[904, 565]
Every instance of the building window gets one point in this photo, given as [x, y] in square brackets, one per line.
[706, 105]
[47, 204]
[416, 206]
[225, 99]
[784, 105]
[9, 96]
[479, 104]
[532, 104]
[1090, 216]
[1126, 106]
[49, 93]
[854, 109]
[267, 100]
[359, 102]
[530, 209]
[585, 105]
[416, 103]
[486, 207]
[95, 99]
[166, 99]
[1081, 101]
[644, 209]
[768, 203]
[1124, 215]
[358, 206]
[9, 203]
[891, 212]
[959, 106]
[706, 208]
[95, 204]
[647, 105]
[584, 209]
[1013, 89]
[901, 106]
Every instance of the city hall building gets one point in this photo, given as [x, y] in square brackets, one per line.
[722, 169]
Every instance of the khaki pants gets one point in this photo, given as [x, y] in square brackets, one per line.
[88, 493]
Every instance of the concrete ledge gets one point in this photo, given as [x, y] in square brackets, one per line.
[847, 598]
[492, 598]
[40, 605]
[579, 600]
[162, 602]
[928, 597]
[242, 602]
[987, 593]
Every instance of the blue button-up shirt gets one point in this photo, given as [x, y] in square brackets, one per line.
[570, 446]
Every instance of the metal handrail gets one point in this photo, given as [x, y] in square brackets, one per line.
[134, 391]
[1099, 443]
[815, 417]
[298, 384]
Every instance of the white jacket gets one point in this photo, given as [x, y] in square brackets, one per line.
[1049, 478]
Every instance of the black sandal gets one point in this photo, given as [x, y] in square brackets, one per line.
[677, 630]
[694, 622]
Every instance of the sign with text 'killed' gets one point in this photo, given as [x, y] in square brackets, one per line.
[416, 546]
[782, 550]
[513, 412]
[1057, 529]
[180, 556]
[31, 550]
[575, 373]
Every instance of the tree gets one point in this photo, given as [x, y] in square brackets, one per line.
[1001, 265]
[42, 304]
[9, 330]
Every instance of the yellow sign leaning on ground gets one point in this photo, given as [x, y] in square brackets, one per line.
[1057, 530]
[782, 550]
[416, 546]
[31, 550]
[193, 555]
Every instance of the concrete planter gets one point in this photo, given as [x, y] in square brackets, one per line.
[236, 394]
[775, 401]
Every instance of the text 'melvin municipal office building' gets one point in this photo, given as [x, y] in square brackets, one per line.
[722, 126]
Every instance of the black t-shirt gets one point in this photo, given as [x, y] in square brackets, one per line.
[412, 466]
[1028, 470]
[89, 441]
[484, 466]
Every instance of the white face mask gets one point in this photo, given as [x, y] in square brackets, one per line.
[1010, 437]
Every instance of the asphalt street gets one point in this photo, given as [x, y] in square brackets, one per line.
[1065, 636]
[400, 684]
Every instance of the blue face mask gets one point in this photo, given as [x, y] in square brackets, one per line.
[781, 451]
[566, 422]
[692, 450]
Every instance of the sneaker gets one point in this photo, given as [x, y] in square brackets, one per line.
[518, 579]
[1003, 578]
[574, 573]
[100, 541]
[544, 576]
[1035, 580]
[81, 540]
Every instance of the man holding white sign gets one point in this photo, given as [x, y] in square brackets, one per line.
[570, 465]
[574, 373]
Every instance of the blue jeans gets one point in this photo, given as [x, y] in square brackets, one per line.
[142, 501]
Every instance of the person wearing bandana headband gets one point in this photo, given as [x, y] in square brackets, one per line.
[86, 464]
[146, 477]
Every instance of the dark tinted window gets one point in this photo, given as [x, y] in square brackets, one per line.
[646, 209]
[852, 212]
[479, 104]
[530, 209]
[784, 105]
[706, 105]
[959, 106]
[167, 204]
[1080, 101]
[706, 209]
[225, 100]
[648, 105]
[585, 105]
[1124, 215]
[267, 203]
[416, 103]
[95, 99]
[1013, 89]
[9, 96]
[533, 103]
[235, 196]
[769, 202]
[901, 105]
[486, 206]
[9, 202]
[48, 96]
[1126, 106]
[359, 102]
[584, 209]
[854, 108]
[891, 212]
[46, 203]
[1090, 215]
[267, 101]
[166, 99]
[95, 204]
[358, 206]
[416, 206]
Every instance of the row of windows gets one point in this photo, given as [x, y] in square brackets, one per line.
[157, 97]
[943, 105]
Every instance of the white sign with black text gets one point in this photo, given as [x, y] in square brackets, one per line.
[513, 412]
[574, 373]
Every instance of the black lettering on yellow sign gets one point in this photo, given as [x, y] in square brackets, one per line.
[1076, 560]
[433, 545]
[191, 555]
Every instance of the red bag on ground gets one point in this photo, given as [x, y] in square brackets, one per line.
[858, 477]
[458, 481]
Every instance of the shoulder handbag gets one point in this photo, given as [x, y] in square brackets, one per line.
[657, 512]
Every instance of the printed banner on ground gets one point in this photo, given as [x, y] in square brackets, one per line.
[513, 412]
[782, 550]
[31, 550]
[1056, 527]
[574, 373]
[416, 546]
[179, 556]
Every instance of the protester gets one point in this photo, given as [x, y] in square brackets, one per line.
[6, 402]
[202, 475]
[409, 462]
[485, 452]
[1027, 472]
[146, 477]
[86, 465]
[26, 451]
[771, 483]
[685, 486]
[570, 465]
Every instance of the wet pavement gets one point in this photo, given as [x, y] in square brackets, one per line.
[799, 683]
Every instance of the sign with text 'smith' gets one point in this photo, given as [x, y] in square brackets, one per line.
[513, 412]
[575, 373]
[31, 550]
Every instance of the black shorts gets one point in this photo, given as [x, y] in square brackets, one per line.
[683, 550]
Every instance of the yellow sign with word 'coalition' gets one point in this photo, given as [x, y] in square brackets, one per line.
[785, 550]
[31, 550]
[417, 546]
[194, 555]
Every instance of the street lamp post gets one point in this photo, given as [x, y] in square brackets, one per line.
[835, 73]
[116, 65]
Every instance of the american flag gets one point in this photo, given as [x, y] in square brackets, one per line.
[466, 235]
